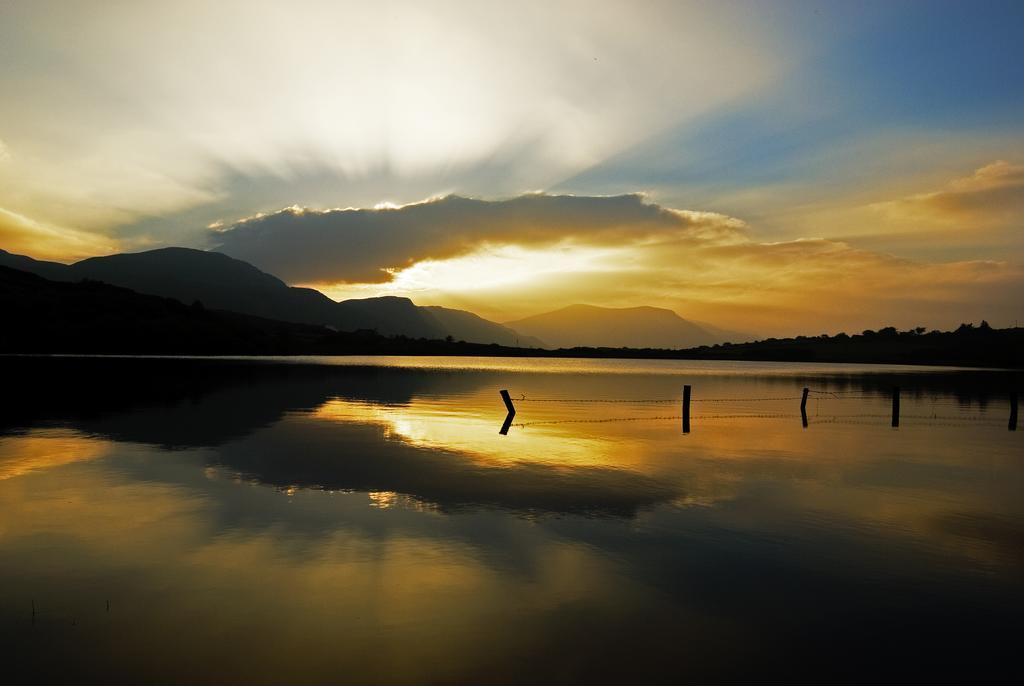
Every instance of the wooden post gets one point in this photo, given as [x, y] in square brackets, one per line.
[803, 407]
[686, 409]
[896, 406]
[511, 412]
[1013, 412]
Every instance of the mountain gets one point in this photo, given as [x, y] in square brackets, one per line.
[634, 327]
[389, 316]
[216, 280]
[48, 270]
[42, 316]
[466, 326]
[45, 316]
[724, 335]
[224, 283]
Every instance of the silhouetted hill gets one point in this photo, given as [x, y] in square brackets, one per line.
[92, 317]
[216, 280]
[44, 316]
[466, 326]
[223, 283]
[969, 345]
[636, 327]
[389, 316]
[48, 270]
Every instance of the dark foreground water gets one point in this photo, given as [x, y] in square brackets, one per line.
[362, 521]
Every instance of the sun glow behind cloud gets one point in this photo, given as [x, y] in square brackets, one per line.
[115, 137]
[506, 259]
[490, 268]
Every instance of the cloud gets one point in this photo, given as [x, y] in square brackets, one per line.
[514, 257]
[991, 197]
[369, 245]
[114, 123]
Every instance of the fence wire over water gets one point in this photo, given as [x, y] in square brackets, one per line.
[823, 407]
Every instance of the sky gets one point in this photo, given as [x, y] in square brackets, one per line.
[778, 167]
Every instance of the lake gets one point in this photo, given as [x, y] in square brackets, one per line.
[362, 520]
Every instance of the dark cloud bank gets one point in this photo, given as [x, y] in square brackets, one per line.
[358, 245]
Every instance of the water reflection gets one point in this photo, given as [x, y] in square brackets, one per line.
[20, 455]
[250, 520]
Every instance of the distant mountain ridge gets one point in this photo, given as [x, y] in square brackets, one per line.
[634, 327]
[223, 283]
[44, 316]
[466, 326]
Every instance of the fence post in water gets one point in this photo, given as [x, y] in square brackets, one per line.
[511, 412]
[896, 406]
[686, 409]
[1013, 412]
[803, 407]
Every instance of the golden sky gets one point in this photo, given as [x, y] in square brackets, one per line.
[754, 165]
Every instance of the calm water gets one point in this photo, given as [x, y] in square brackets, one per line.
[361, 520]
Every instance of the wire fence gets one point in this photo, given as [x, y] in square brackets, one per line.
[813, 395]
[930, 411]
[524, 398]
[863, 419]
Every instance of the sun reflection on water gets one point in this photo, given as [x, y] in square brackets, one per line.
[370, 524]
[428, 425]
